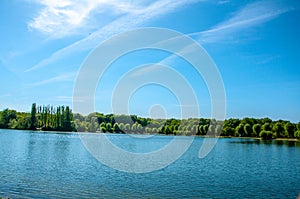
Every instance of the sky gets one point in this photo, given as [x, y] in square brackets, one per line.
[254, 44]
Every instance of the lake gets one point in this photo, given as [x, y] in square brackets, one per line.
[57, 165]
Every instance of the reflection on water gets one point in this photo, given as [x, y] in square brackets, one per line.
[51, 165]
[290, 143]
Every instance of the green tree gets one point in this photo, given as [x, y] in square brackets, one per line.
[167, 130]
[24, 122]
[278, 129]
[230, 126]
[248, 130]
[298, 126]
[187, 130]
[289, 129]
[265, 120]
[109, 127]
[93, 125]
[133, 127]
[218, 130]
[256, 129]
[239, 131]
[250, 121]
[33, 119]
[194, 129]
[13, 124]
[75, 115]
[103, 127]
[206, 128]
[201, 130]
[121, 127]
[67, 119]
[127, 128]
[297, 132]
[228, 131]
[139, 128]
[211, 129]
[148, 130]
[58, 118]
[155, 130]
[80, 125]
[6, 116]
[266, 135]
[266, 127]
[116, 128]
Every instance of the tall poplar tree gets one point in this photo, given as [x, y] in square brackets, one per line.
[33, 119]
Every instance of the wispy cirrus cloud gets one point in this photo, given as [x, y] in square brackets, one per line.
[249, 16]
[133, 19]
[145, 70]
[64, 99]
[252, 15]
[59, 78]
[223, 2]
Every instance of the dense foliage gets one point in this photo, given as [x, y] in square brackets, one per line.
[62, 119]
[40, 118]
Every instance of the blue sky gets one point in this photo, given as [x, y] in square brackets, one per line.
[255, 45]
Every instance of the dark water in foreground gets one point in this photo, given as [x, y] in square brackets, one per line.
[48, 165]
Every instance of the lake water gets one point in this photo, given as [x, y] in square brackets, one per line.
[50, 165]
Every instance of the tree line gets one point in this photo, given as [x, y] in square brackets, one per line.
[264, 128]
[61, 118]
[47, 118]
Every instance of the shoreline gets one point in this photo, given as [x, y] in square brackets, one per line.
[255, 138]
[149, 134]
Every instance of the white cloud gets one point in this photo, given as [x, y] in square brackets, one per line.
[250, 16]
[127, 22]
[65, 99]
[223, 2]
[59, 78]
[253, 14]
[67, 17]
[145, 70]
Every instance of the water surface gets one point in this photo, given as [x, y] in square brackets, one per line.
[56, 165]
